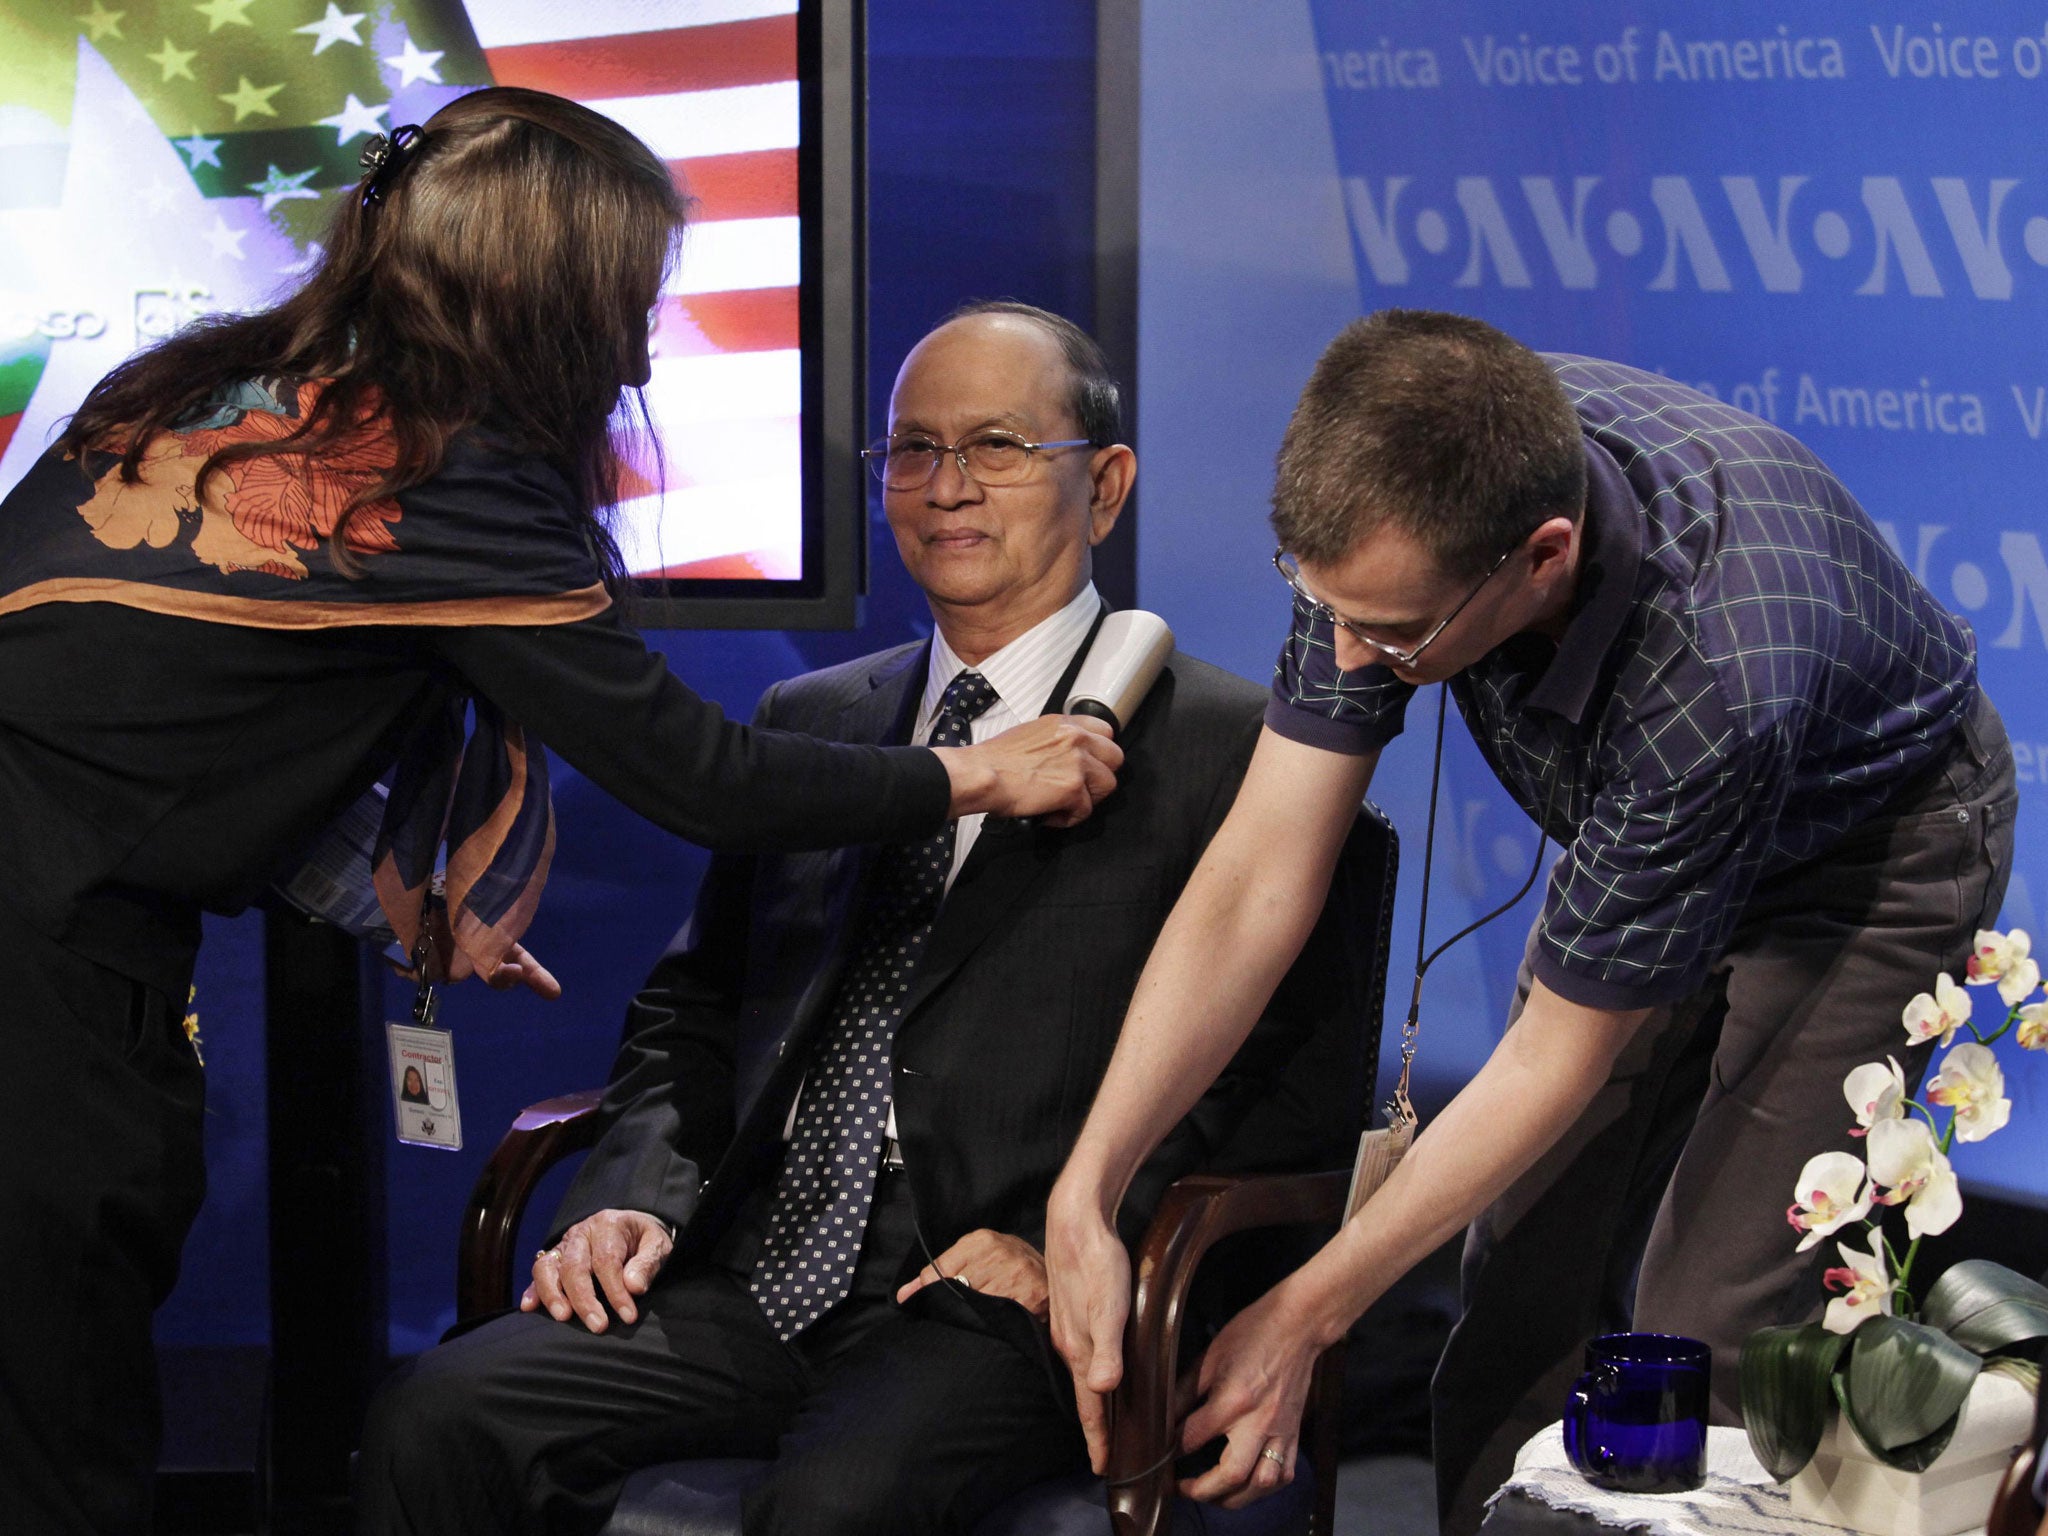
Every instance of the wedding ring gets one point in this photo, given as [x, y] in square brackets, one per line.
[1270, 1454]
[548, 1253]
[965, 1281]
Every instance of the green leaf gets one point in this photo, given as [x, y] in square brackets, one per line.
[1986, 1307]
[1786, 1396]
[1915, 1457]
[1905, 1384]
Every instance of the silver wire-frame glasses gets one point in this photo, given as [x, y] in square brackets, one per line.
[908, 461]
[1290, 572]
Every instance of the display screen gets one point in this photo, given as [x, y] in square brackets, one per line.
[161, 161]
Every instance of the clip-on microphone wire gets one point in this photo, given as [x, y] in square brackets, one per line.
[1423, 961]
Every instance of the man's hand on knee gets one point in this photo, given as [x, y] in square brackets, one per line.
[994, 1263]
[620, 1251]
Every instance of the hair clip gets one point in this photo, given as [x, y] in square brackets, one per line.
[383, 158]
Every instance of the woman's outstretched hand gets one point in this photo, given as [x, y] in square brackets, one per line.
[520, 969]
[446, 962]
[1057, 768]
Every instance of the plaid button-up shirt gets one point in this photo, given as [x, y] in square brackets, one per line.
[1749, 672]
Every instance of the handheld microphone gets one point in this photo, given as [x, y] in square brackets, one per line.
[1130, 649]
[1124, 660]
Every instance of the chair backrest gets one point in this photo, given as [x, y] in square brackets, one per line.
[1341, 976]
[1331, 1081]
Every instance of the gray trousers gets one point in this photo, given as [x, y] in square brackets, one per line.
[1663, 1207]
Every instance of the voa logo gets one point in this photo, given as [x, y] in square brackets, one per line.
[1930, 237]
[2006, 602]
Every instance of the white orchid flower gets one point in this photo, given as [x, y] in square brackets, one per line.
[1995, 954]
[1832, 1192]
[1940, 1015]
[1912, 1172]
[1875, 1091]
[2033, 1030]
[1868, 1288]
[2018, 984]
[1971, 1084]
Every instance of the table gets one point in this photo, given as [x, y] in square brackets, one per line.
[1547, 1497]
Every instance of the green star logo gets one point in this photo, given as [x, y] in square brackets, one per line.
[225, 13]
[175, 62]
[103, 22]
[247, 99]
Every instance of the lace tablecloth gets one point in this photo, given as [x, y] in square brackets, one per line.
[1737, 1499]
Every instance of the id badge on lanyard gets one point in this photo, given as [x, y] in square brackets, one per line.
[423, 1101]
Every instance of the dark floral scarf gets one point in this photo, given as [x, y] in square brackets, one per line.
[466, 804]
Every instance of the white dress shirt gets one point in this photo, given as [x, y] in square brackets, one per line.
[1023, 674]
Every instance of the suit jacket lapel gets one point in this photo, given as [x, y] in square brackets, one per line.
[1006, 861]
[881, 715]
[1003, 866]
[886, 713]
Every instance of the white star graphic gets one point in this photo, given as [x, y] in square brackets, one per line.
[200, 151]
[354, 118]
[158, 195]
[277, 187]
[334, 27]
[225, 241]
[413, 65]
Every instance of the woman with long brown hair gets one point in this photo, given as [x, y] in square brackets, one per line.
[247, 602]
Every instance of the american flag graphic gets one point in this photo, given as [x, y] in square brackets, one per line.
[168, 158]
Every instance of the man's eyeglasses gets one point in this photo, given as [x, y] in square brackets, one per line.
[908, 462]
[1290, 571]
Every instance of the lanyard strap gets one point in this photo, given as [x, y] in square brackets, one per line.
[426, 1003]
[1402, 1110]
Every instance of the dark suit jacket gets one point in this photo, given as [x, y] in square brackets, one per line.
[1018, 999]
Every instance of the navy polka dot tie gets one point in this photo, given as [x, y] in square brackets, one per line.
[828, 1173]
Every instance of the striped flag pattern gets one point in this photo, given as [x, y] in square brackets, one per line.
[712, 90]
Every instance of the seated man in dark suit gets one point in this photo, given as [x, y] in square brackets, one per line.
[847, 1091]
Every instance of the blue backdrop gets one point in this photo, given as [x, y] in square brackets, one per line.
[1828, 217]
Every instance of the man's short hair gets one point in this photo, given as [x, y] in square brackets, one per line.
[1096, 402]
[1436, 423]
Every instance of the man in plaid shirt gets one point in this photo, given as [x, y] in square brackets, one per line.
[1784, 800]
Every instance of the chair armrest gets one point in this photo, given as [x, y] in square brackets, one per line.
[2013, 1510]
[1197, 1212]
[542, 1136]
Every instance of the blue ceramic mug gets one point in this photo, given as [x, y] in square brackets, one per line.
[1636, 1422]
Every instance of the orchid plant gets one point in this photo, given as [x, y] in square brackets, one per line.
[1901, 1371]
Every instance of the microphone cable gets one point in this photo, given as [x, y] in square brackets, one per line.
[1424, 956]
